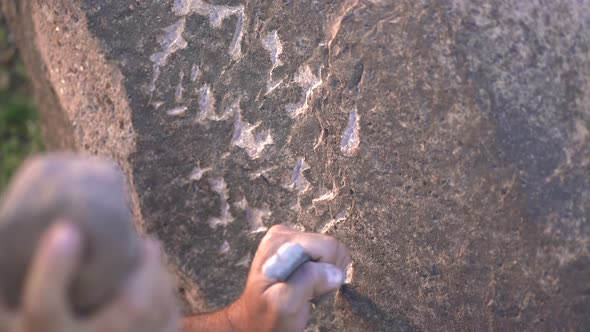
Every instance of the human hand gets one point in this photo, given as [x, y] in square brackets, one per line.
[269, 305]
[145, 302]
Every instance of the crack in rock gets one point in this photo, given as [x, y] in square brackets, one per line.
[308, 82]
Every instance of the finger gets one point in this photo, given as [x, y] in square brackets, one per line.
[323, 248]
[7, 319]
[45, 302]
[146, 301]
[312, 280]
[319, 247]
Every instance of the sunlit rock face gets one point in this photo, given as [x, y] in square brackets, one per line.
[446, 143]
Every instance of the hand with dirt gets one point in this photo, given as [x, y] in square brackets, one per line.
[145, 301]
[271, 305]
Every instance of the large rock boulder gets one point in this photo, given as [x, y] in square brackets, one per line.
[446, 142]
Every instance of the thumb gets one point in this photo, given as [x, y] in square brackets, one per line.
[45, 303]
[312, 280]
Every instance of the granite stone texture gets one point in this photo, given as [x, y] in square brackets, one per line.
[447, 143]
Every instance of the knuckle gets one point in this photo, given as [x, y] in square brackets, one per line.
[274, 234]
[278, 228]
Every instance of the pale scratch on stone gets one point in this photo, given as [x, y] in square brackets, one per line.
[262, 172]
[233, 108]
[195, 71]
[298, 181]
[197, 173]
[273, 45]
[244, 261]
[349, 274]
[224, 248]
[351, 135]
[217, 14]
[235, 48]
[177, 111]
[219, 186]
[171, 41]
[157, 104]
[206, 104]
[272, 85]
[327, 195]
[179, 89]
[340, 217]
[241, 204]
[308, 82]
[246, 138]
[256, 219]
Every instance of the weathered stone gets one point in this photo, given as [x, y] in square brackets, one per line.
[447, 143]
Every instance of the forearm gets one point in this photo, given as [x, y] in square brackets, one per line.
[228, 319]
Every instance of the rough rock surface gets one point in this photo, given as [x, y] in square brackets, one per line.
[446, 142]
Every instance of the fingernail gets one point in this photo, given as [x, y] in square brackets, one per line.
[335, 276]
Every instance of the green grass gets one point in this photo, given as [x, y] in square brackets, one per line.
[19, 128]
[19, 134]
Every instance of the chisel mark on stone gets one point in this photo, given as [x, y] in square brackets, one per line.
[195, 71]
[242, 204]
[179, 89]
[219, 186]
[298, 181]
[217, 14]
[351, 136]
[224, 248]
[262, 172]
[197, 173]
[256, 218]
[341, 217]
[244, 261]
[177, 111]
[349, 274]
[326, 195]
[171, 41]
[272, 44]
[206, 104]
[246, 138]
[308, 82]
[230, 110]
[235, 48]
[157, 104]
